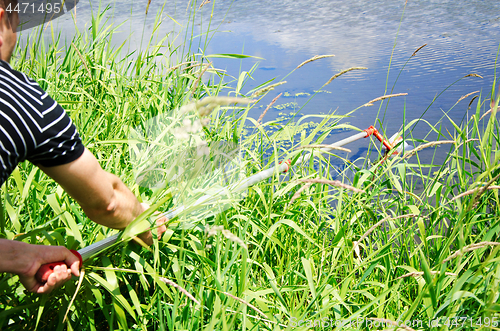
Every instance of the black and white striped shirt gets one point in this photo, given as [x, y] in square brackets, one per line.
[33, 126]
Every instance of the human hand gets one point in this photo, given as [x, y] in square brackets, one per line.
[147, 237]
[37, 255]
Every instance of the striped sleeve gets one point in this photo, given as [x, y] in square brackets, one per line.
[33, 126]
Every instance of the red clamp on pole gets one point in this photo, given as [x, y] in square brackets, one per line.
[372, 130]
[46, 270]
[288, 163]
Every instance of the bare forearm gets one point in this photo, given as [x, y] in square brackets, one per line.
[122, 208]
[15, 255]
[103, 196]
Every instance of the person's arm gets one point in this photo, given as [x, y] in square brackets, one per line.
[104, 198]
[24, 260]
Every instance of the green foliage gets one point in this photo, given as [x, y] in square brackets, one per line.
[432, 257]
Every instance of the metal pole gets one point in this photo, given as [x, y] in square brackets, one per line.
[246, 183]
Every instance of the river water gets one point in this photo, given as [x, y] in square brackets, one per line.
[462, 37]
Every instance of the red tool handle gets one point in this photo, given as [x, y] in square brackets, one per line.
[46, 270]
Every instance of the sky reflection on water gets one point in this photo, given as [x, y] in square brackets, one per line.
[462, 37]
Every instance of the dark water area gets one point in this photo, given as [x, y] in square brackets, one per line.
[462, 37]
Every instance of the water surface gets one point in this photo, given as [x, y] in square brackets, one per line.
[462, 38]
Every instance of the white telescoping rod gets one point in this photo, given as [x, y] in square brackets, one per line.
[283, 167]
[260, 176]
[246, 183]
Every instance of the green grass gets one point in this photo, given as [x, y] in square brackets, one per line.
[298, 262]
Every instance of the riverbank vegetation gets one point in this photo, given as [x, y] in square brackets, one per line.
[405, 241]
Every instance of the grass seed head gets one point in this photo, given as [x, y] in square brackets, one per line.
[205, 121]
[470, 248]
[229, 235]
[246, 303]
[213, 231]
[473, 75]
[268, 107]
[177, 66]
[343, 72]
[206, 105]
[429, 144]
[298, 193]
[421, 273]
[335, 183]
[179, 288]
[370, 103]
[370, 230]
[203, 70]
[467, 95]
[416, 51]
[469, 192]
[486, 113]
[314, 58]
[266, 89]
[204, 3]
